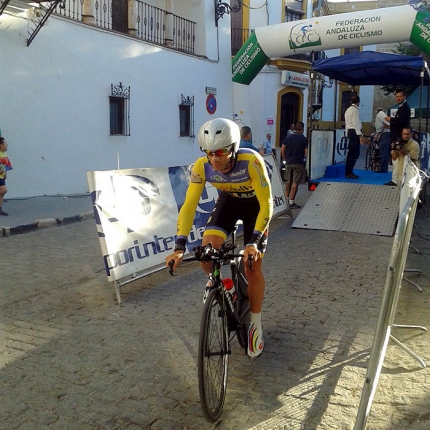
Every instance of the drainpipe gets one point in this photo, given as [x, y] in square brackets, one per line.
[88, 14]
[169, 23]
[133, 13]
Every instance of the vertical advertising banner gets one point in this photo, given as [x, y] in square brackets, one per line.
[248, 61]
[321, 149]
[420, 35]
[340, 147]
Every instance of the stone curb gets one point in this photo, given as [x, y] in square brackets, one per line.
[44, 223]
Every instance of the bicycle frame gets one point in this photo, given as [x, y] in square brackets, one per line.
[220, 318]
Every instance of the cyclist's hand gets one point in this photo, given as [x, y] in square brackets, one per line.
[251, 250]
[176, 257]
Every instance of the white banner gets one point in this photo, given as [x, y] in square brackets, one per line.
[136, 212]
[341, 147]
[321, 153]
[411, 183]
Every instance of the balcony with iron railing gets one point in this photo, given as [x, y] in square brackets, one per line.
[149, 22]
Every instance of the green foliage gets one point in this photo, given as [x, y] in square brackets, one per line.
[404, 49]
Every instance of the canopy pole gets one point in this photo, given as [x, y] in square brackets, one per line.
[427, 110]
[421, 98]
[335, 105]
[311, 96]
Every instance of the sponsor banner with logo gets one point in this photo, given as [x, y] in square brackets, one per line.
[424, 142]
[293, 79]
[344, 30]
[341, 147]
[136, 212]
[248, 61]
[321, 153]
[278, 190]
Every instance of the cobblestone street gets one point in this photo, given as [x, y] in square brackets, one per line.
[71, 358]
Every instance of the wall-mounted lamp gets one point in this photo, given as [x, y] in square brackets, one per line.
[329, 85]
[221, 8]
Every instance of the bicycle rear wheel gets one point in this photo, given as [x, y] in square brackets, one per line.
[213, 356]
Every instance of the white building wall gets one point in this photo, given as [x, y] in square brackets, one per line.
[55, 101]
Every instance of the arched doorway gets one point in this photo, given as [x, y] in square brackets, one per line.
[290, 105]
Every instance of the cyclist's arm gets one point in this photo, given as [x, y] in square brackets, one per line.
[263, 191]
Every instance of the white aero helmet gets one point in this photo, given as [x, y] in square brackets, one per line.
[219, 133]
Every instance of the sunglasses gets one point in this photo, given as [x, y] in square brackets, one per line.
[218, 152]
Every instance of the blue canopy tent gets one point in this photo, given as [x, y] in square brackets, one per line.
[378, 68]
[374, 68]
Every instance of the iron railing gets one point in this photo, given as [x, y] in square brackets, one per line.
[151, 22]
[71, 9]
[184, 36]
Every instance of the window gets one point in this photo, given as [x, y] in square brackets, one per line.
[293, 10]
[346, 102]
[186, 116]
[352, 50]
[119, 110]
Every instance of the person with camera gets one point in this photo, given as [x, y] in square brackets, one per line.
[404, 146]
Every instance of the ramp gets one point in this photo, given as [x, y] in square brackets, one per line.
[355, 208]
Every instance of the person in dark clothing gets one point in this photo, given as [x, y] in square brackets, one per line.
[294, 151]
[401, 119]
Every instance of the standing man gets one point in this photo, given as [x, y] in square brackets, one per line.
[353, 128]
[294, 151]
[266, 147]
[290, 130]
[382, 127]
[401, 119]
[245, 138]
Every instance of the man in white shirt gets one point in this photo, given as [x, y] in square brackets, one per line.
[353, 132]
[382, 126]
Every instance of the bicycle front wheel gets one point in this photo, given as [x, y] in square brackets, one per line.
[213, 356]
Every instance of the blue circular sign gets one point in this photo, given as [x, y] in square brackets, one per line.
[211, 104]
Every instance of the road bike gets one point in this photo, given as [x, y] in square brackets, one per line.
[222, 319]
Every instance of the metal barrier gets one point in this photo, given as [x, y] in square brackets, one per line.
[411, 186]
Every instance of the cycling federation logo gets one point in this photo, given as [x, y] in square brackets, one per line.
[304, 35]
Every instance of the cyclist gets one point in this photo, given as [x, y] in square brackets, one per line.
[244, 193]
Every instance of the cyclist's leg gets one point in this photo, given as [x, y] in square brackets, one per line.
[256, 284]
[217, 228]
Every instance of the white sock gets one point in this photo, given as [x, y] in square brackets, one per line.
[256, 319]
[291, 202]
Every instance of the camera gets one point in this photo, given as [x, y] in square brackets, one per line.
[397, 145]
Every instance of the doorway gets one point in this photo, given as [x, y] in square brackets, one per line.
[290, 106]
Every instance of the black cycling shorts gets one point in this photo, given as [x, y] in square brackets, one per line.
[228, 210]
